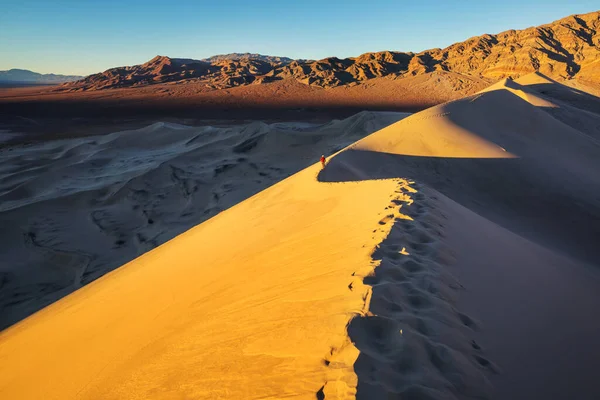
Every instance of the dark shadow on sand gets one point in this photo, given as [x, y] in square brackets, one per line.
[414, 343]
[539, 204]
[573, 97]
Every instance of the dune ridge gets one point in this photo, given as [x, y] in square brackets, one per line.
[449, 255]
[496, 124]
[521, 228]
[329, 365]
[77, 208]
[413, 339]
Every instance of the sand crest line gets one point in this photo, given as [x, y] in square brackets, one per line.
[408, 309]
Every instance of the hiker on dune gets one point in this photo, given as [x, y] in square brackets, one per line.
[323, 161]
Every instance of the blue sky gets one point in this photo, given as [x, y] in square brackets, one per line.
[83, 37]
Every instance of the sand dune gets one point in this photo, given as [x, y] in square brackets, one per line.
[536, 164]
[450, 255]
[577, 108]
[521, 204]
[74, 209]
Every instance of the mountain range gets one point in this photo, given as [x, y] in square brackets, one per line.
[26, 76]
[565, 49]
[250, 56]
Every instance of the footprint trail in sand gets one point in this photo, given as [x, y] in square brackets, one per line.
[411, 338]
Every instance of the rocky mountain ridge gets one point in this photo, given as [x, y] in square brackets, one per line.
[565, 49]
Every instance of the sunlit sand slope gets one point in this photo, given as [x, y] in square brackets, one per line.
[72, 210]
[247, 305]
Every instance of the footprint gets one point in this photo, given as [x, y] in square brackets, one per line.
[418, 301]
[407, 226]
[421, 248]
[424, 238]
[412, 266]
[386, 306]
[386, 219]
[426, 284]
[422, 327]
[374, 334]
[467, 321]
[396, 275]
[441, 357]
[428, 227]
[419, 209]
[484, 362]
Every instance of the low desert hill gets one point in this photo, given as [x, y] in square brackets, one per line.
[450, 255]
[26, 76]
[565, 49]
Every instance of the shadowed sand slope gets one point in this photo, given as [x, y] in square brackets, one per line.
[534, 307]
[574, 107]
[544, 86]
[499, 155]
[249, 304]
[514, 196]
[342, 283]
